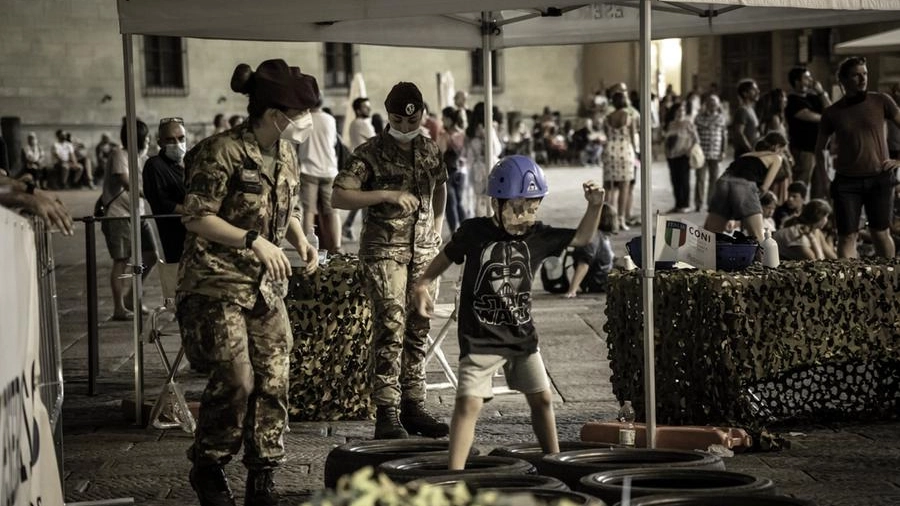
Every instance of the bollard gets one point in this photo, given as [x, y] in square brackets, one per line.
[90, 258]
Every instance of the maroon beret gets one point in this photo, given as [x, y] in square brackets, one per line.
[280, 85]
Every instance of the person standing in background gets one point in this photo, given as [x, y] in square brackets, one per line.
[361, 130]
[318, 168]
[713, 131]
[805, 104]
[116, 198]
[745, 125]
[864, 175]
[164, 190]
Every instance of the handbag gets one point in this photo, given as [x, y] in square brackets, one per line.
[696, 157]
[101, 207]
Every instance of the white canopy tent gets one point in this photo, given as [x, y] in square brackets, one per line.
[884, 42]
[495, 24]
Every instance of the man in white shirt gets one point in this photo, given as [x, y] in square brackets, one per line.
[64, 161]
[318, 167]
[361, 130]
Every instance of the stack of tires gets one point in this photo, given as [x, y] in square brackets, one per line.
[583, 473]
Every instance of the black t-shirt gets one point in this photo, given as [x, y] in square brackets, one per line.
[495, 297]
[802, 133]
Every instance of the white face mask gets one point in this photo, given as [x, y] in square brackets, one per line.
[175, 152]
[297, 131]
[404, 137]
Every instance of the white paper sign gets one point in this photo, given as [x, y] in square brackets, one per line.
[682, 241]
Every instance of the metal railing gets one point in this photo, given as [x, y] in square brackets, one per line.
[90, 255]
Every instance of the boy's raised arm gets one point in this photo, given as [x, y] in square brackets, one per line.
[594, 194]
[421, 295]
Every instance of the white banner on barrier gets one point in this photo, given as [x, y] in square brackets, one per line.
[30, 475]
[682, 241]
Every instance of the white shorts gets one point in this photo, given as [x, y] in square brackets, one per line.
[523, 373]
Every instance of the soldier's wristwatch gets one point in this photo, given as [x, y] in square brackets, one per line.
[249, 238]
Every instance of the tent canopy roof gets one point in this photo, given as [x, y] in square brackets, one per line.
[880, 42]
[457, 24]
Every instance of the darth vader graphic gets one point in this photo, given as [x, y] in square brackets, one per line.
[503, 285]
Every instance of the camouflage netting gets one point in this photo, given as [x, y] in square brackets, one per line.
[332, 323]
[810, 340]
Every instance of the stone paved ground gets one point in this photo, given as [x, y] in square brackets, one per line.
[108, 457]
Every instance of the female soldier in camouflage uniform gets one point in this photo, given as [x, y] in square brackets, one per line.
[399, 175]
[242, 200]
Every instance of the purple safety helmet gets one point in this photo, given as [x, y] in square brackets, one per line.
[516, 177]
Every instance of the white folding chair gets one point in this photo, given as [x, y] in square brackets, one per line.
[171, 409]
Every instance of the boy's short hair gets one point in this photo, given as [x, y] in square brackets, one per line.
[798, 187]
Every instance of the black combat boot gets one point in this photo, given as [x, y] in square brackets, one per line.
[211, 486]
[387, 425]
[260, 489]
[417, 420]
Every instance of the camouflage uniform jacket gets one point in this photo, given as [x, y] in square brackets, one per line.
[379, 164]
[226, 177]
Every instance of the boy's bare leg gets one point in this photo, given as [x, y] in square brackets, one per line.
[462, 429]
[543, 421]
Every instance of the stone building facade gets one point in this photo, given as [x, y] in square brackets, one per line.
[61, 67]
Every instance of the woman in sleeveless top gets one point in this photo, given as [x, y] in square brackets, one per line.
[737, 192]
[618, 155]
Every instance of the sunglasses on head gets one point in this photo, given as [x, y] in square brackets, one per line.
[173, 119]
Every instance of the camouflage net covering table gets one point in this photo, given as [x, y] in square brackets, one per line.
[809, 340]
[331, 318]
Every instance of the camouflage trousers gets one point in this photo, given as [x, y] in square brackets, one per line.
[399, 334]
[246, 398]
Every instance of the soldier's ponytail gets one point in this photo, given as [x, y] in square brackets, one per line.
[242, 81]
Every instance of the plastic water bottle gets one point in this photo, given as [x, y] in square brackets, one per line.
[323, 253]
[626, 416]
[770, 251]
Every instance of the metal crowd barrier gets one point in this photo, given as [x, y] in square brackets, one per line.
[51, 383]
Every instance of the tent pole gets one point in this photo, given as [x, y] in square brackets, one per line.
[134, 175]
[487, 70]
[646, 219]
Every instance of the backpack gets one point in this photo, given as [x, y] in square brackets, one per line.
[555, 272]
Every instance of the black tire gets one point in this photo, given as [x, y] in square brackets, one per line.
[609, 485]
[571, 466]
[421, 466]
[495, 481]
[717, 500]
[351, 457]
[533, 453]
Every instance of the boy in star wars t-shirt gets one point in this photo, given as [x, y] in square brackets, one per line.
[496, 329]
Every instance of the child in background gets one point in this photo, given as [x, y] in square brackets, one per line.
[594, 261]
[768, 202]
[801, 237]
[797, 192]
[496, 329]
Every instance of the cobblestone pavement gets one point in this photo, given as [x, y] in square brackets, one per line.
[107, 456]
